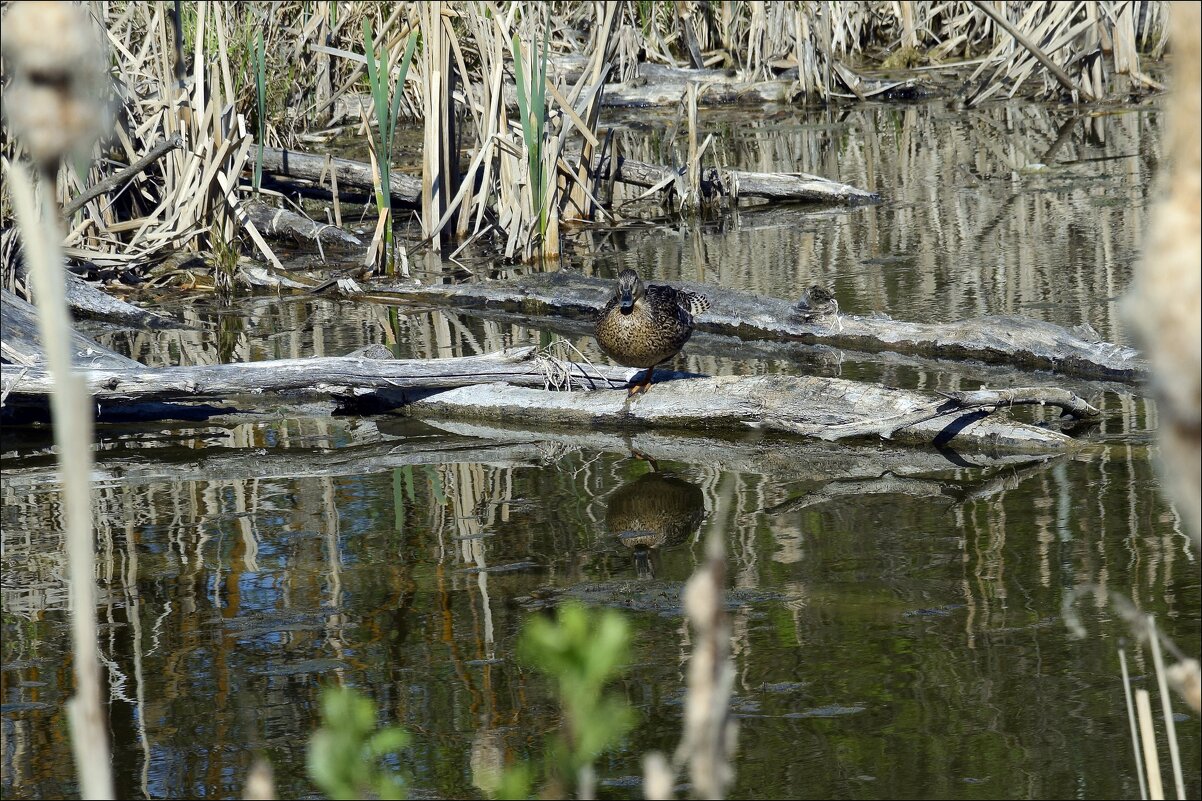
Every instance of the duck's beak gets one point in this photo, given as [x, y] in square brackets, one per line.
[627, 300]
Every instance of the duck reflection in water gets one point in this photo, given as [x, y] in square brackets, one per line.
[652, 512]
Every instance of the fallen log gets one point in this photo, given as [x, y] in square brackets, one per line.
[85, 300]
[783, 457]
[21, 343]
[282, 223]
[348, 377]
[406, 190]
[215, 463]
[357, 175]
[807, 405]
[1016, 341]
[780, 187]
[812, 406]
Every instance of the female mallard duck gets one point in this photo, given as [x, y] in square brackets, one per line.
[646, 325]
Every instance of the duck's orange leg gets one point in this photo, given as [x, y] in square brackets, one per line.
[643, 385]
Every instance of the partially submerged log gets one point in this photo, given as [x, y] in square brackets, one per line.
[825, 408]
[336, 376]
[807, 405]
[282, 223]
[407, 191]
[781, 187]
[783, 457]
[215, 463]
[87, 301]
[446, 441]
[1017, 341]
[21, 344]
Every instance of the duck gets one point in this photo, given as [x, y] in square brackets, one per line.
[816, 302]
[645, 325]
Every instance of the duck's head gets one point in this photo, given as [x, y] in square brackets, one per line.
[630, 289]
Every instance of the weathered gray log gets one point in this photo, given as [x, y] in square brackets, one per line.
[281, 223]
[21, 344]
[811, 406]
[1017, 341]
[338, 376]
[357, 175]
[806, 405]
[85, 300]
[774, 186]
[984, 399]
[406, 190]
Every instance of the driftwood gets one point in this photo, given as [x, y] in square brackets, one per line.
[806, 405]
[406, 190]
[85, 300]
[357, 175]
[817, 407]
[783, 457]
[775, 186]
[1017, 341]
[20, 342]
[337, 376]
[274, 222]
[661, 85]
[127, 467]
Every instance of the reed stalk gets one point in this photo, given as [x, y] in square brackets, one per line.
[71, 411]
[261, 95]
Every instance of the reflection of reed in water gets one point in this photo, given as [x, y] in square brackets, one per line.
[653, 512]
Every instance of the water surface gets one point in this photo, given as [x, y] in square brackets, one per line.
[896, 613]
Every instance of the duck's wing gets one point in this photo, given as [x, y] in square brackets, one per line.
[692, 302]
[680, 302]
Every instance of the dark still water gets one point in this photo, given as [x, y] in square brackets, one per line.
[896, 613]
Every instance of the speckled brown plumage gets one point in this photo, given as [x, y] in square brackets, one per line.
[646, 325]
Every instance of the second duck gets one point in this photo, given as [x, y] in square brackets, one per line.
[645, 325]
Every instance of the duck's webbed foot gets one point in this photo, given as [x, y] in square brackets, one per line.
[642, 386]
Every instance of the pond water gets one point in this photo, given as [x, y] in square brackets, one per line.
[896, 614]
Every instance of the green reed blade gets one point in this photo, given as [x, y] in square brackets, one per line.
[261, 91]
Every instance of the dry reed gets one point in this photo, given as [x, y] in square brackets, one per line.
[202, 76]
[56, 116]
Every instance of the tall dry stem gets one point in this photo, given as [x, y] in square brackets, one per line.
[53, 105]
[1165, 305]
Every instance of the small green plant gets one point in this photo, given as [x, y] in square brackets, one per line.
[582, 651]
[386, 103]
[345, 753]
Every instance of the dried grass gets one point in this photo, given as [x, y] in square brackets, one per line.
[203, 76]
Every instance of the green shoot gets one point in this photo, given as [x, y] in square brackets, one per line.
[582, 651]
[532, 109]
[386, 103]
[345, 753]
